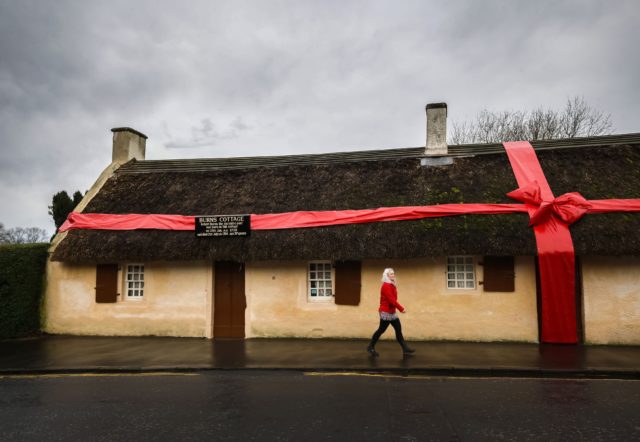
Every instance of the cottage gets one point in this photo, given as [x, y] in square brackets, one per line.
[472, 277]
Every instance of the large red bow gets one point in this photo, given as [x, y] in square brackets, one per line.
[556, 259]
[569, 207]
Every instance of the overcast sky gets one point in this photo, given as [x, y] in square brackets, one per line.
[236, 78]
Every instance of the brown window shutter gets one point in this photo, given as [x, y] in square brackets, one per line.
[348, 276]
[106, 283]
[499, 274]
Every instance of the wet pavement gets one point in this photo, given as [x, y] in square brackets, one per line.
[68, 354]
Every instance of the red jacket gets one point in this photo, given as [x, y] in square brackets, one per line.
[389, 299]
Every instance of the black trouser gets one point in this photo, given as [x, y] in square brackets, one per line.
[383, 327]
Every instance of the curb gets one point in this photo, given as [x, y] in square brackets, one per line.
[404, 372]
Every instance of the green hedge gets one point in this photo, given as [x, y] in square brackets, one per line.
[22, 268]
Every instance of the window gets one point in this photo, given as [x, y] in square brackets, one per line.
[461, 273]
[320, 281]
[135, 281]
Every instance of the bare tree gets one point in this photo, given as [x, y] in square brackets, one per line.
[34, 235]
[15, 236]
[20, 235]
[3, 235]
[577, 119]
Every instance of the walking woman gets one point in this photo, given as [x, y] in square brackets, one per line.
[388, 305]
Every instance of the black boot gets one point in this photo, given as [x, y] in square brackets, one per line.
[371, 348]
[406, 350]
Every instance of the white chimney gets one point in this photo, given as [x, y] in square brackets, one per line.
[128, 144]
[436, 129]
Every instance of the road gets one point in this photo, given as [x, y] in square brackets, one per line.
[282, 405]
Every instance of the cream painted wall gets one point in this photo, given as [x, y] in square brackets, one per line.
[177, 302]
[611, 298]
[277, 304]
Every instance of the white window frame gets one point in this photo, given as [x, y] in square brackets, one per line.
[320, 283]
[458, 265]
[132, 285]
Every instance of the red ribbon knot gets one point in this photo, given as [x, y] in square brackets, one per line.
[568, 208]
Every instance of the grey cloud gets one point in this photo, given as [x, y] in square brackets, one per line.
[207, 134]
[305, 76]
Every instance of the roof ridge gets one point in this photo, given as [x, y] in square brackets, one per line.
[455, 151]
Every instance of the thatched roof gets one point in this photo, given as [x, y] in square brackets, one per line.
[598, 168]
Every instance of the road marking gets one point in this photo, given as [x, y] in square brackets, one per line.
[91, 375]
[440, 377]
[369, 375]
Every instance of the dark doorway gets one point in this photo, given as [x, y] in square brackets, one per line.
[229, 300]
[579, 301]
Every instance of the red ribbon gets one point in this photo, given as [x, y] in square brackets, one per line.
[569, 207]
[550, 218]
[556, 257]
[286, 220]
[104, 221]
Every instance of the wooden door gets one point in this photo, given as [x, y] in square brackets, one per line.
[229, 300]
[106, 283]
